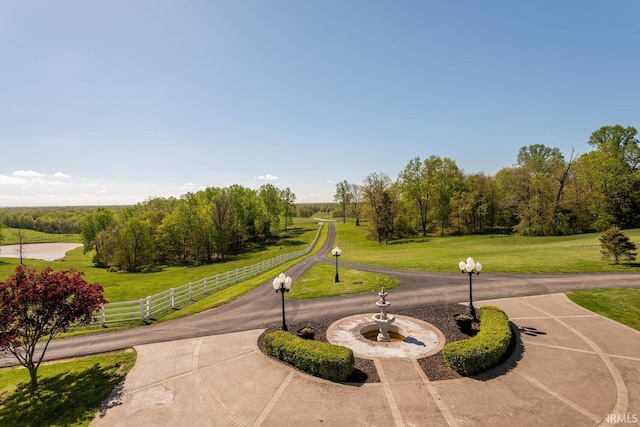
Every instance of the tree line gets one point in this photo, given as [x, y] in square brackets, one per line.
[543, 194]
[47, 220]
[196, 228]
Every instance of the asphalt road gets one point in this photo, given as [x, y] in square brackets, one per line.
[261, 307]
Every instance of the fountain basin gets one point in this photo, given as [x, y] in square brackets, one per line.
[421, 339]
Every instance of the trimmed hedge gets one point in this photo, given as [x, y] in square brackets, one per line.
[484, 350]
[328, 361]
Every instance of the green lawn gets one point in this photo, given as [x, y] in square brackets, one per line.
[30, 236]
[132, 286]
[619, 304]
[319, 282]
[497, 253]
[70, 393]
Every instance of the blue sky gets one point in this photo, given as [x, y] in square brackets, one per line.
[114, 102]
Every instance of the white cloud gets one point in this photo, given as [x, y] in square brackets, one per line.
[329, 181]
[9, 180]
[191, 186]
[61, 175]
[28, 174]
[267, 177]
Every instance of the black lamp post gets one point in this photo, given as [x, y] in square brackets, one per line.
[470, 267]
[336, 252]
[282, 284]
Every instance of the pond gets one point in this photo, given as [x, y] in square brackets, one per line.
[43, 251]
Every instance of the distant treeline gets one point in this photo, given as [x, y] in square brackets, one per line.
[543, 194]
[57, 220]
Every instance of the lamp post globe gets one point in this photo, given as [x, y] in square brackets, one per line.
[470, 267]
[336, 252]
[282, 283]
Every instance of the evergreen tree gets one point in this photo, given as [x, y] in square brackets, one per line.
[616, 245]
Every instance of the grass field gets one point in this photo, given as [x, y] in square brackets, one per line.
[619, 304]
[131, 286]
[497, 253]
[70, 392]
[319, 282]
[10, 237]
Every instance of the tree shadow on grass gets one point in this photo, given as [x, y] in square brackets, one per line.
[67, 398]
[292, 243]
[406, 241]
[630, 264]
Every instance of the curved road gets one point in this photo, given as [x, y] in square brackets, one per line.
[261, 307]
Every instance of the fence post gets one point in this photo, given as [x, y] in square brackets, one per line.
[254, 270]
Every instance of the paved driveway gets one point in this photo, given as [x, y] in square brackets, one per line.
[572, 368]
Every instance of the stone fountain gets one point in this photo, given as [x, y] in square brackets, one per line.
[382, 319]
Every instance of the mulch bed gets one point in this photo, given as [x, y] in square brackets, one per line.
[440, 316]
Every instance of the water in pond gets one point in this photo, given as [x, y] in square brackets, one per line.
[44, 251]
[373, 336]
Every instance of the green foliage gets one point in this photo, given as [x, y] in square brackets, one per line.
[122, 286]
[616, 245]
[198, 228]
[58, 220]
[619, 304]
[484, 350]
[70, 392]
[38, 305]
[328, 361]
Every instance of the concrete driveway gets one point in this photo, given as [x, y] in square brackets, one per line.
[572, 368]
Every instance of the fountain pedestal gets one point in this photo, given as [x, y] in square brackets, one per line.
[383, 321]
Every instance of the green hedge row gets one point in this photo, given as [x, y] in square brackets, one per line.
[328, 361]
[484, 350]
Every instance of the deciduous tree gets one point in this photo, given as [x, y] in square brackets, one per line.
[342, 197]
[37, 306]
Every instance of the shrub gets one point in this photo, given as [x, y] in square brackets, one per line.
[484, 350]
[328, 361]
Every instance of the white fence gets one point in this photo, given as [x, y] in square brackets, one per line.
[163, 302]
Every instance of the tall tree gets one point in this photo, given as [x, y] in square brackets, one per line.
[611, 173]
[288, 199]
[37, 306]
[355, 202]
[538, 166]
[374, 189]
[415, 185]
[448, 180]
[92, 225]
[222, 218]
[270, 205]
[342, 197]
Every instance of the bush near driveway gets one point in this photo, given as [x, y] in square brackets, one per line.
[324, 360]
[484, 350]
